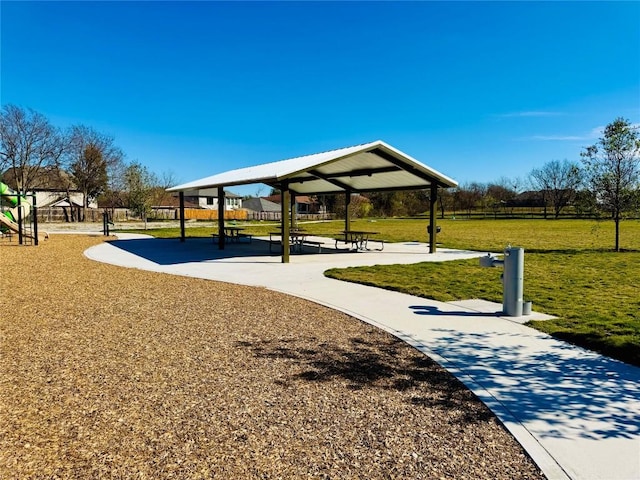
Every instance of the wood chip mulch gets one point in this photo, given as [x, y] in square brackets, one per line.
[108, 372]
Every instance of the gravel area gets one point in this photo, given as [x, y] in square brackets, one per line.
[118, 373]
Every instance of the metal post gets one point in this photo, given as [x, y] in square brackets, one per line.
[34, 211]
[221, 202]
[294, 220]
[284, 209]
[347, 213]
[19, 209]
[432, 217]
[182, 232]
[513, 281]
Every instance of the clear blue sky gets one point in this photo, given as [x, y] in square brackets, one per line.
[476, 90]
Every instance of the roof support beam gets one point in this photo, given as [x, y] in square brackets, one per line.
[362, 172]
[407, 168]
[337, 183]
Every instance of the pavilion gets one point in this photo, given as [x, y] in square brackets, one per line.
[370, 167]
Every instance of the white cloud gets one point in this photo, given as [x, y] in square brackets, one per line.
[593, 134]
[596, 132]
[557, 138]
[534, 113]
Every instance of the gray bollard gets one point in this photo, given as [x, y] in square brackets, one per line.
[512, 279]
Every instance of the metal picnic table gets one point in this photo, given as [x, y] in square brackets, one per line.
[359, 239]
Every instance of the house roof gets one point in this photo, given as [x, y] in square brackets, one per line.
[277, 199]
[260, 205]
[65, 203]
[374, 166]
[209, 192]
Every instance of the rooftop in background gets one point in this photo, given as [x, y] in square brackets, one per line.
[374, 166]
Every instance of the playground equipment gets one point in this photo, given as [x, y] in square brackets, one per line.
[14, 219]
[512, 280]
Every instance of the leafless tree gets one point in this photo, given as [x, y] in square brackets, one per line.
[558, 182]
[90, 157]
[29, 145]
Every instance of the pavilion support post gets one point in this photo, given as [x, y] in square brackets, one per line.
[432, 217]
[182, 233]
[221, 202]
[294, 220]
[284, 214]
[347, 211]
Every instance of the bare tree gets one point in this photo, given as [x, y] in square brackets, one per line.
[470, 196]
[29, 145]
[91, 155]
[140, 184]
[558, 182]
[165, 180]
[613, 170]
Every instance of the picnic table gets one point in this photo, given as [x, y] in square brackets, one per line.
[232, 234]
[297, 239]
[359, 239]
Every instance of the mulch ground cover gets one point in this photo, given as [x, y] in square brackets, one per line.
[108, 372]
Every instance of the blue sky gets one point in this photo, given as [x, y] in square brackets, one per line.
[477, 90]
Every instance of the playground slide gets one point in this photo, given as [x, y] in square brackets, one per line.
[9, 219]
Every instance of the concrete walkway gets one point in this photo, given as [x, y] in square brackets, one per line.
[575, 412]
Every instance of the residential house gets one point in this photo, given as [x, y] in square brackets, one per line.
[50, 188]
[208, 198]
[304, 204]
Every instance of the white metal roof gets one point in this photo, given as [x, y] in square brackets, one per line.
[372, 166]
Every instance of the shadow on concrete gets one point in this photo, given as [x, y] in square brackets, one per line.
[581, 395]
[171, 251]
[433, 310]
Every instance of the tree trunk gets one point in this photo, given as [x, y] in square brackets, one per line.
[617, 220]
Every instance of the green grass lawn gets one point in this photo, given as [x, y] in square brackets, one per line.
[570, 271]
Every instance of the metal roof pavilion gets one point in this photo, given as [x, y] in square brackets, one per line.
[370, 167]
[374, 166]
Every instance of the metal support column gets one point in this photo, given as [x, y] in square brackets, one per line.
[347, 211]
[294, 220]
[432, 217]
[284, 212]
[221, 202]
[182, 232]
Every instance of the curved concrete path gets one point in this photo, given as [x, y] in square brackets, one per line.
[576, 413]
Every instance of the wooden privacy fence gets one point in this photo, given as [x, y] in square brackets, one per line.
[63, 214]
[203, 214]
